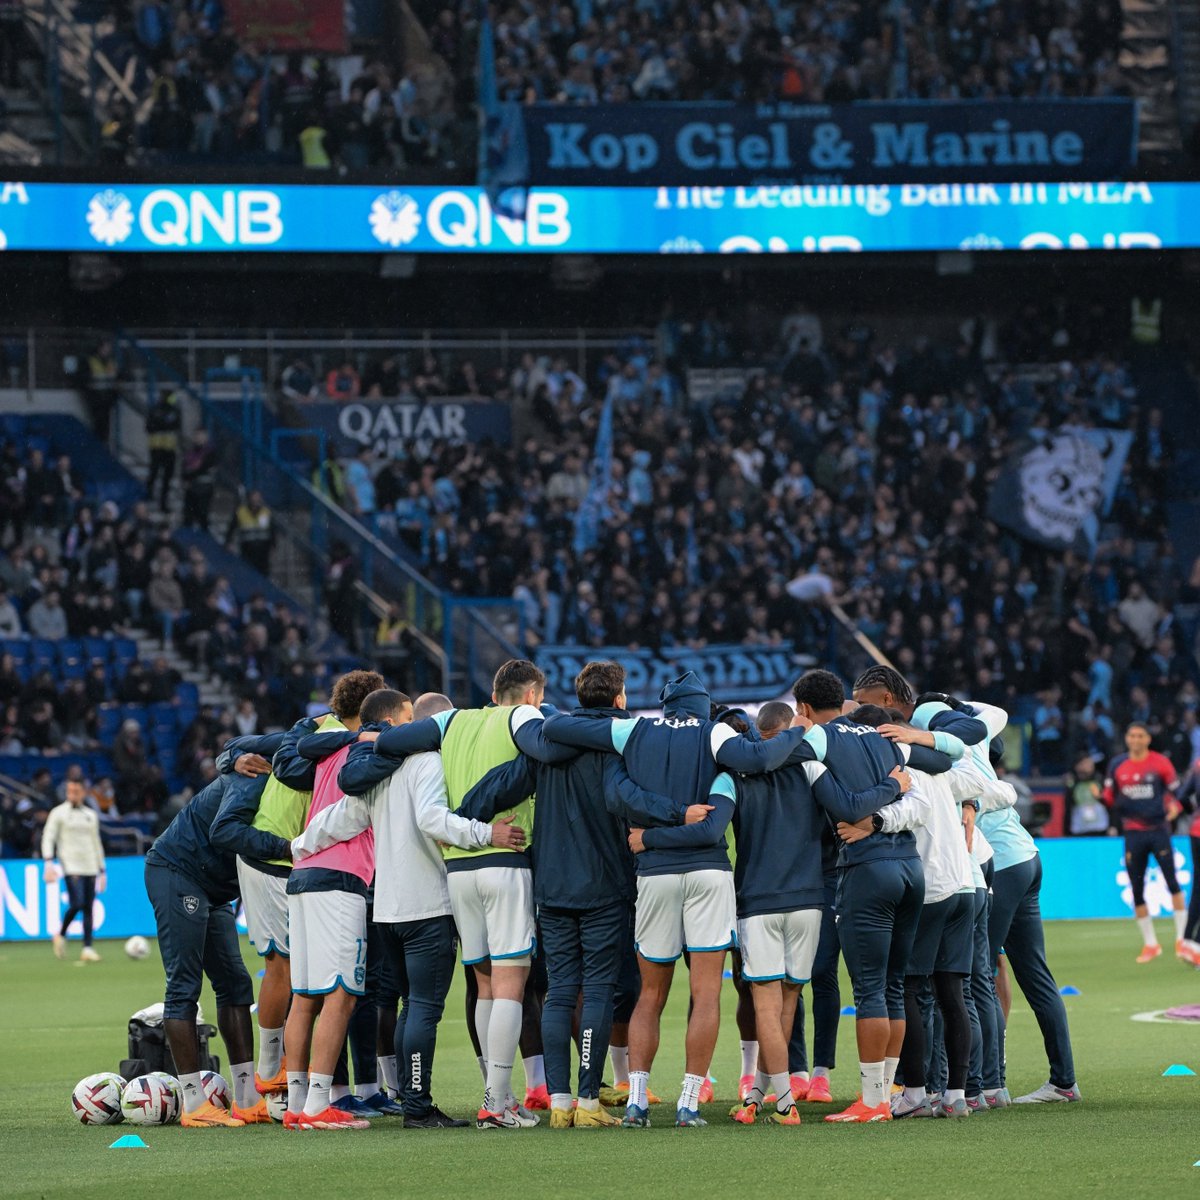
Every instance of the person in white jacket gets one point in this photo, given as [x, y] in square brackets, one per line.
[72, 835]
[409, 812]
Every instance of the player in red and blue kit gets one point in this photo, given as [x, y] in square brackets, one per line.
[1140, 791]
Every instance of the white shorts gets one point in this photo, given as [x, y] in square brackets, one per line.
[779, 945]
[264, 897]
[329, 942]
[493, 909]
[696, 911]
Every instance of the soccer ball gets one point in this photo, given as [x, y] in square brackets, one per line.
[175, 1088]
[96, 1100]
[137, 947]
[147, 1100]
[276, 1105]
[216, 1088]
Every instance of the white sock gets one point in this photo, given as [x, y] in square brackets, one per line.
[483, 1018]
[915, 1095]
[620, 1064]
[592, 1105]
[364, 1091]
[561, 1101]
[871, 1075]
[953, 1094]
[193, 1091]
[889, 1075]
[781, 1085]
[801, 1075]
[339, 1091]
[1180, 915]
[387, 1069]
[1146, 925]
[749, 1058]
[535, 1071]
[244, 1093]
[270, 1052]
[297, 1091]
[689, 1095]
[762, 1082]
[989, 1092]
[639, 1085]
[504, 1032]
[820, 1073]
[319, 1098]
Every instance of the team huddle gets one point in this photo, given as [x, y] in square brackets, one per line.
[575, 858]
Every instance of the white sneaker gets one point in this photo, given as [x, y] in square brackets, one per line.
[1049, 1094]
[524, 1118]
[903, 1107]
[87, 954]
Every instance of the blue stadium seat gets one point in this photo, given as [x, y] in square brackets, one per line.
[71, 662]
[124, 652]
[43, 654]
[189, 696]
[108, 721]
[135, 712]
[97, 647]
[18, 648]
[164, 715]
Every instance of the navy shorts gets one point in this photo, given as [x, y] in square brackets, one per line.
[878, 907]
[945, 937]
[196, 938]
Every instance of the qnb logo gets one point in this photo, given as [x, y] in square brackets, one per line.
[395, 218]
[191, 219]
[110, 217]
[1158, 898]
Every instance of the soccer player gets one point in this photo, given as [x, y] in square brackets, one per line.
[72, 834]
[881, 887]
[404, 802]
[491, 891]
[327, 913]
[1140, 789]
[190, 884]
[685, 889]
[583, 881]
[942, 948]
[279, 809]
[1015, 923]
[779, 878]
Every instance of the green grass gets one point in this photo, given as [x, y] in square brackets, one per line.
[1136, 1134]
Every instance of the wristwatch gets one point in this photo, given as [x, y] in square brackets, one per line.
[877, 822]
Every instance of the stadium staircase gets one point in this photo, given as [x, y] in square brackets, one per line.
[1148, 50]
[1186, 30]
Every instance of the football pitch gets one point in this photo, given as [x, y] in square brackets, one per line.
[1135, 1134]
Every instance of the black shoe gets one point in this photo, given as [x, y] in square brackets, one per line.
[434, 1119]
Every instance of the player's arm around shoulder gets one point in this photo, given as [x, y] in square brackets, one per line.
[528, 727]
[588, 733]
[365, 768]
[340, 822]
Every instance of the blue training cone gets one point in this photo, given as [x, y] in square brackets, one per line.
[1068, 991]
[1178, 1069]
[130, 1141]
[727, 975]
[261, 974]
[849, 1010]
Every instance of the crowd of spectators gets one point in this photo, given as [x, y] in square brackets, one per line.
[79, 583]
[201, 93]
[819, 52]
[849, 466]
